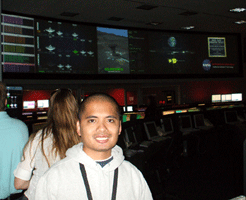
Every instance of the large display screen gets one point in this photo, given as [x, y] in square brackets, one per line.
[18, 44]
[113, 54]
[66, 48]
[180, 53]
[38, 47]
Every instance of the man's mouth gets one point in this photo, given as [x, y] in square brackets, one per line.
[102, 139]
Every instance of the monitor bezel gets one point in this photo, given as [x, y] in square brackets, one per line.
[128, 142]
[147, 129]
[163, 126]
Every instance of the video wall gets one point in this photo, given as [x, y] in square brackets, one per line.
[41, 48]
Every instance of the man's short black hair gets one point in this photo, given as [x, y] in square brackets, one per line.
[100, 97]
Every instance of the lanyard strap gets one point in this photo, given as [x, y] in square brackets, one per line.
[83, 172]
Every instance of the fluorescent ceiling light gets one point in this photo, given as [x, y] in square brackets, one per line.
[188, 27]
[241, 22]
[238, 10]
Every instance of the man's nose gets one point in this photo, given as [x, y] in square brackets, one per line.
[102, 126]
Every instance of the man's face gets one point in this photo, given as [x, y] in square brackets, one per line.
[99, 129]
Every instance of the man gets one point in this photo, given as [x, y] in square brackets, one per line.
[14, 135]
[95, 169]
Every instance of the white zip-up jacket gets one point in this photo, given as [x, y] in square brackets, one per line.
[63, 181]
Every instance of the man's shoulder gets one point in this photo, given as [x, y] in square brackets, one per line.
[15, 121]
[18, 124]
[66, 164]
[129, 166]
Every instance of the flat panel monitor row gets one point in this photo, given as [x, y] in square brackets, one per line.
[39, 104]
[234, 97]
[186, 123]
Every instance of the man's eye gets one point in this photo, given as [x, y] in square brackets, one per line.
[110, 120]
[91, 121]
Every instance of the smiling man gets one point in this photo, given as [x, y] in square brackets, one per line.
[95, 169]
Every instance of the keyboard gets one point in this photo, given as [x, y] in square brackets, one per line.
[146, 143]
[130, 152]
[158, 139]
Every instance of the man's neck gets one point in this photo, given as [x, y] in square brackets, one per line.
[98, 155]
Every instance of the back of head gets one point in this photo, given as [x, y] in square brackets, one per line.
[99, 97]
[3, 96]
[63, 106]
[62, 119]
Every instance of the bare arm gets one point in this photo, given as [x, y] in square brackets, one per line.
[21, 184]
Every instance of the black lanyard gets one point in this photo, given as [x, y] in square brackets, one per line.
[83, 172]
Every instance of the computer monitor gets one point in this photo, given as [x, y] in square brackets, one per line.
[230, 116]
[236, 97]
[130, 137]
[199, 120]
[28, 104]
[167, 125]
[129, 108]
[215, 98]
[185, 122]
[43, 103]
[226, 97]
[150, 129]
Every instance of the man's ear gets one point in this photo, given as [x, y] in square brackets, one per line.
[78, 128]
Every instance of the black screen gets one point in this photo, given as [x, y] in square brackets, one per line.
[199, 120]
[130, 135]
[183, 53]
[151, 129]
[167, 123]
[185, 122]
[66, 48]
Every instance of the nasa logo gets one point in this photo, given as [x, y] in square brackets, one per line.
[206, 65]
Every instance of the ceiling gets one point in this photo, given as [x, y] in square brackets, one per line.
[205, 15]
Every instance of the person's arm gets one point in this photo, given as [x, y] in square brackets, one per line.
[23, 172]
[21, 184]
